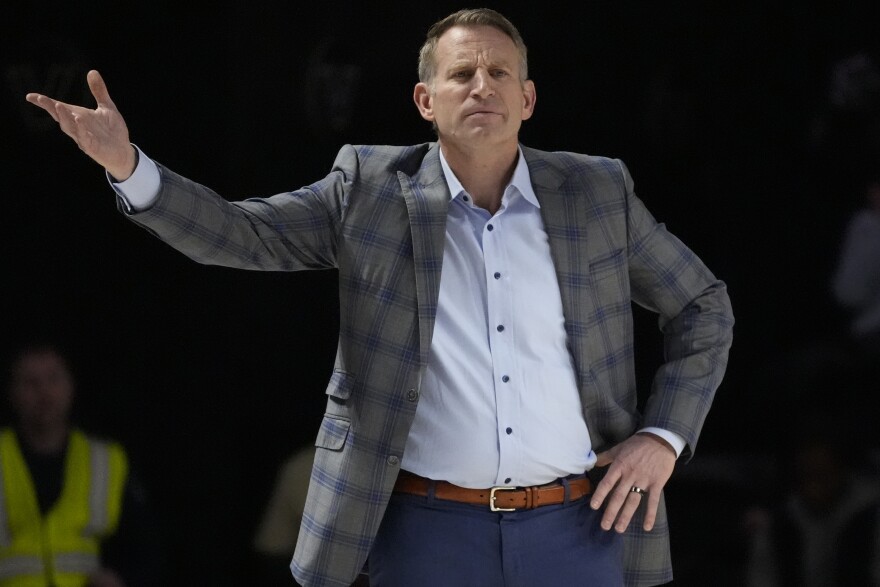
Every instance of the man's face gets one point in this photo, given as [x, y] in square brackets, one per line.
[476, 98]
[42, 390]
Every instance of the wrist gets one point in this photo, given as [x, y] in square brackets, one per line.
[660, 440]
[126, 169]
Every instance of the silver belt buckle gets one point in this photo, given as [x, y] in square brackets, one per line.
[492, 493]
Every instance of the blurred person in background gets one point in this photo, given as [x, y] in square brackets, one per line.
[856, 283]
[821, 530]
[275, 539]
[71, 513]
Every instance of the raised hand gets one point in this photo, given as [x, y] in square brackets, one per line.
[100, 133]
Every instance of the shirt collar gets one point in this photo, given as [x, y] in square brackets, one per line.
[521, 180]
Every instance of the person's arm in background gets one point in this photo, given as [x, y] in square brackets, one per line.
[857, 278]
[275, 538]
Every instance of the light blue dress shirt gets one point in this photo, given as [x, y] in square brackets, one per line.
[499, 401]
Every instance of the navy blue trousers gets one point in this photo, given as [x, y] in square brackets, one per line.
[427, 542]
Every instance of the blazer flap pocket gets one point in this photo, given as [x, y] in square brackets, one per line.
[341, 384]
[605, 264]
[333, 433]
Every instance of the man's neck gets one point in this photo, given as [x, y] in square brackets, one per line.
[44, 441]
[483, 173]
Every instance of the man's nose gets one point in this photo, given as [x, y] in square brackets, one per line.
[483, 84]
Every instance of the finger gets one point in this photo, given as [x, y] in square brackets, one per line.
[44, 102]
[69, 120]
[605, 486]
[603, 459]
[64, 116]
[651, 510]
[613, 509]
[99, 90]
[630, 504]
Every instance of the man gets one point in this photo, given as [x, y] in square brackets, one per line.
[69, 515]
[495, 383]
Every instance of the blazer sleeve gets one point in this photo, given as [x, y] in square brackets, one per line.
[290, 231]
[695, 317]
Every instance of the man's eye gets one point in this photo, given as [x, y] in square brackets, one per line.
[499, 73]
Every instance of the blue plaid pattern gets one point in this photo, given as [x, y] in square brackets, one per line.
[379, 218]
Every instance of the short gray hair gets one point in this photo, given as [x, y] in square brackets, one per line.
[471, 17]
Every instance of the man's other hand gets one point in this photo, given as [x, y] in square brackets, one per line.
[643, 461]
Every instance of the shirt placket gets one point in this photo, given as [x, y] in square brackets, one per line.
[502, 331]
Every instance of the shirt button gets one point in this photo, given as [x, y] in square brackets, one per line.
[465, 198]
[509, 430]
[505, 378]
[393, 460]
[490, 228]
[412, 395]
[497, 275]
[508, 480]
[500, 328]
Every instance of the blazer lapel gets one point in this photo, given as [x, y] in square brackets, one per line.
[427, 203]
[566, 221]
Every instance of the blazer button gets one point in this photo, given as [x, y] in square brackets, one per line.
[393, 460]
[412, 395]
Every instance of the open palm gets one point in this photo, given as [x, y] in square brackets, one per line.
[101, 133]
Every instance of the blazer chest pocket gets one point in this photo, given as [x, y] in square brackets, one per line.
[609, 280]
[606, 265]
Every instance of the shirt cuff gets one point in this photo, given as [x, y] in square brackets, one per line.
[141, 189]
[672, 438]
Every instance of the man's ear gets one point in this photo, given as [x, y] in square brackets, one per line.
[529, 99]
[424, 102]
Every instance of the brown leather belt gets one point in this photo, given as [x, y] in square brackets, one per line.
[499, 499]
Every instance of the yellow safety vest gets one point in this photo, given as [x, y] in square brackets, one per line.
[62, 548]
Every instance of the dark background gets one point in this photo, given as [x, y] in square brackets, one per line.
[211, 377]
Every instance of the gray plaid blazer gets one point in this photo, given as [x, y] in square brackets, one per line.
[379, 218]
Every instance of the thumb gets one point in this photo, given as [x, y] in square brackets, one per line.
[99, 90]
[603, 459]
